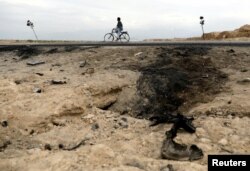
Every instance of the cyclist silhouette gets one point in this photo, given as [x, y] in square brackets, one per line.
[119, 27]
[117, 33]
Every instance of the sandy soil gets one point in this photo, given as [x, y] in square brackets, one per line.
[90, 123]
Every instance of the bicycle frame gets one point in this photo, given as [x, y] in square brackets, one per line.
[113, 32]
[123, 37]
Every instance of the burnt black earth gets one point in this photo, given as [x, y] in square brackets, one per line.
[181, 75]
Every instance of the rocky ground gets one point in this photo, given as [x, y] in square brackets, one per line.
[87, 108]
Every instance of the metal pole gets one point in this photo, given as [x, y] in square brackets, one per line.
[31, 25]
[202, 22]
[34, 33]
[203, 36]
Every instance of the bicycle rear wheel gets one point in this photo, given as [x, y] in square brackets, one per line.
[124, 37]
[108, 37]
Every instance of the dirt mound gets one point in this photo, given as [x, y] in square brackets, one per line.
[243, 31]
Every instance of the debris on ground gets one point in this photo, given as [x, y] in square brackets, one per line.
[58, 82]
[138, 54]
[72, 147]
[37, 90]
[83, 63]
[4, 145]
[40, 74]
[4, 123]
[172, 150]
[169, 167]
[35, 63]
[244, 81]
[243, 70]
[56, 64]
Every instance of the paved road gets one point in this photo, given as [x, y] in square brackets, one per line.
[184, 43]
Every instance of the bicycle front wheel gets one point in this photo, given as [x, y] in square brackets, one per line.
[108, 37]
[124, 37]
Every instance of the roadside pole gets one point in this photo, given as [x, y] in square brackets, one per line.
[202, 22]
[31, 25]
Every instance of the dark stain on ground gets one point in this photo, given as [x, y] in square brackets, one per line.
[23, 52]
[178, 79]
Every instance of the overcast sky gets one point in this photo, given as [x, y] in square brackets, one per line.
[91, 19]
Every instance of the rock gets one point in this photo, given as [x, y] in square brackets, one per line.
[60, 146]
[4, 123]
[90, 71]
[244, 81]
[4, 145]
[59, 122]
[227, 124]
[219, 113]
[243, 70]
[40, 74]
[231, 51]
[35, 63]
[121, 75]
[205, 76]
[138, 54]
[205, 140]
[58, 82]
[37, 90]
[17, 82]
[223, 149]
[32, 132]
[82, 64]
[69, 109]
[105, 103]
[223, 141]
[89, 116]
[116, 126]
[123, 124]
[47, 147]
[124, 119]
[169, 167]
[95, 126]
[56, 64]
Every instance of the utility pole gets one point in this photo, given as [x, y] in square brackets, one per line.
[202, 22]
[31, 25]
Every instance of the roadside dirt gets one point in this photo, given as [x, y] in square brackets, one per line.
[87, 108]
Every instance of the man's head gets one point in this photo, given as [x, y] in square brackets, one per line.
[118, 19]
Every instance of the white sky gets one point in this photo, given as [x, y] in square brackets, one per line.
[91, 19]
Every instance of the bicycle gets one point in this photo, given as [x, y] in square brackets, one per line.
[124, 36]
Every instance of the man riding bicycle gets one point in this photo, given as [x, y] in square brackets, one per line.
[117, 33]
[119, 27]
